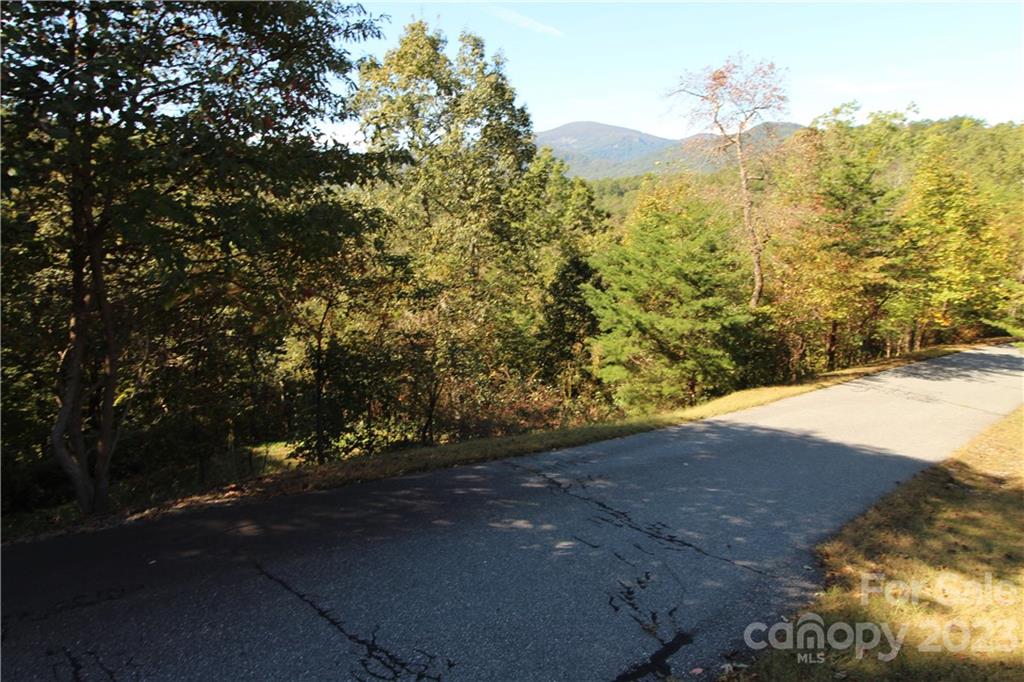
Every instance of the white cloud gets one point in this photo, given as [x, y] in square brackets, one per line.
[523, 21]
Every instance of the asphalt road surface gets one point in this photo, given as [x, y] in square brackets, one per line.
[634, 558]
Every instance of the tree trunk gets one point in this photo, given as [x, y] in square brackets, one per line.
[833, 342]
[753, 237]
[320, 380]
[254, 395]
[105, 444]
[319, 400]
[89, 479]
[67, 425]
[796, 351]
[427, 432]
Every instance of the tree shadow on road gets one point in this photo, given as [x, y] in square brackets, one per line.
[695, 512]
[970, 365]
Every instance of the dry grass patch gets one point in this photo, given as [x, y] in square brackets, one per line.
[950, 545]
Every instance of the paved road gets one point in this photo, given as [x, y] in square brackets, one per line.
[629, 559]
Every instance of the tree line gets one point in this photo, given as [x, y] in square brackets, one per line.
[191, 266]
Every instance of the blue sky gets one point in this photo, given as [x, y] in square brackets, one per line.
[614, 62]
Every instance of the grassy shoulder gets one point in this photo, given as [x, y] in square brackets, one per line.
[950, 545]
[276, 474]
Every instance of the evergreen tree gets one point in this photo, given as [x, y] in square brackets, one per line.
[667, 304]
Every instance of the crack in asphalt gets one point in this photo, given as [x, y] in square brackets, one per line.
[627, 596]
[79, 601]
[623, 559]
[657, 663]
[619, 518]
[88, 664]
[626, 599]
[76, 664]
[389, 665]
[109, 672]
[587, 543]
[651, 623]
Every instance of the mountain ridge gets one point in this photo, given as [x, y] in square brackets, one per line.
[595, 150]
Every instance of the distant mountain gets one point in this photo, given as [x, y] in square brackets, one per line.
[595, 150]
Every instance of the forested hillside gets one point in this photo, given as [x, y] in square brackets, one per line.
[190, 270]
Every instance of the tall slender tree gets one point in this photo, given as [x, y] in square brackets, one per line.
[731, 99]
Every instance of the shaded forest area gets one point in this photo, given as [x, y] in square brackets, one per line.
[191, 268]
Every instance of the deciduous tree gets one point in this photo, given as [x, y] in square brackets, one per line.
[151, 148]
[730, 100]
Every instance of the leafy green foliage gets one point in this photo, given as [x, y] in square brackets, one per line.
[953, 268]
[192, 269]
[159, 162]
[666, 305]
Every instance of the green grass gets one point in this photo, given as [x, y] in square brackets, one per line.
[228, 478]
[943, 532]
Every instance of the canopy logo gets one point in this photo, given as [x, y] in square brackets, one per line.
[810, 638]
